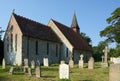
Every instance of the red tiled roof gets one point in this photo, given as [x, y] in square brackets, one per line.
[34, 29]
[74, 38]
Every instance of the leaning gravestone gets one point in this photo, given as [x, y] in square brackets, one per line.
[11, 71]
[64, 71]
[33, 64]
[46, 62]
[3, 63]
[91, 63]
[38, 72]
[114, 72]
[81, 61]
[71, 62]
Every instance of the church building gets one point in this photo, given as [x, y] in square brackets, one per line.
[27, 39]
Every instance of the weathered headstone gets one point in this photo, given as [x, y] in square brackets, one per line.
[26, 63]
[81, 61]
[115, 60]
[62, 62]
[102, 58]
[11, 71]
[37, 63]
[91, 63]
[30, 71]
[71, 62]
[114, 72]
[33, 64]
[38, 72]
[3, 63]
[46, 62]
[64, 71]
[106, 50]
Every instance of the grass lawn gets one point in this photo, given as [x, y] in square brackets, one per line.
[51, 73]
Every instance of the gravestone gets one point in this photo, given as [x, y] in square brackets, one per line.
[114, 72]
[33, 64]
[91, 63]
[81, 61]
[3, 63]
[102, 58]
[46, 62]
[71, 62]
[30, 71]
[115, 60]
[38, 72]
[64, 71]
[11, 71]
[106, 50]
[62, 62]
[26, 63]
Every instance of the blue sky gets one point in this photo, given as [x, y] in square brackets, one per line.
[91, 14]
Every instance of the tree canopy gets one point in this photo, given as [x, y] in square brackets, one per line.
[112, 32]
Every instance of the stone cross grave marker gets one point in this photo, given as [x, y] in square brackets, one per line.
[71, 62]
[106, 50]
[3, 63]
[38, 72]
[46, 62]
[33, 64]
[114, 72]
[11, 71]
[81, 61]
[91, 63]
[64, 71]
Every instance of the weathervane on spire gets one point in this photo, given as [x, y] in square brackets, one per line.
[13, 11]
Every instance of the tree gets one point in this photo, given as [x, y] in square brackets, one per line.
[98, 50]
[112, 32]
[86, 38]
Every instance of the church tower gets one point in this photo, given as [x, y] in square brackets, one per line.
[74, 24]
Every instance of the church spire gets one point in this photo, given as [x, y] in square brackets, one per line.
[74, 24]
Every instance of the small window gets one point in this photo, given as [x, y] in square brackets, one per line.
[56, 50]
[36, 45]
[47, 48]
[16, 42]
[11, 42]
[66, 52]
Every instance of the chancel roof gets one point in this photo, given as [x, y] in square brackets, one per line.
[73, 37]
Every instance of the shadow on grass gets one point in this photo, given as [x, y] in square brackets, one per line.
[48, 76]
[5, 79]
[85, 80]
[18, 73]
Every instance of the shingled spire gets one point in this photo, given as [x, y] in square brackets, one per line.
[74, 24]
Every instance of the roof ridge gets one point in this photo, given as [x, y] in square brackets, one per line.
[35, 22]
[61, 23]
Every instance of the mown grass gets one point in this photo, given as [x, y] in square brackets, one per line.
[51, 73]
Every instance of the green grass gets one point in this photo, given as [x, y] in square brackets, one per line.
[52, 74]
